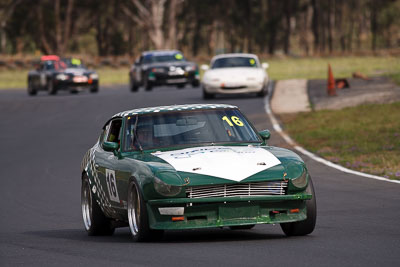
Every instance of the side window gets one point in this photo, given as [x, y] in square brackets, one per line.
[113, 134]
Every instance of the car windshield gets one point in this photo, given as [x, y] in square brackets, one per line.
[233, 62]
[170, 129]
[73, 63]
[163, 58]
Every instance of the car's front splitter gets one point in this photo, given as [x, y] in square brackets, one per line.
[201, 213]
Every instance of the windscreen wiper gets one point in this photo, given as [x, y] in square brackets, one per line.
[135, 134]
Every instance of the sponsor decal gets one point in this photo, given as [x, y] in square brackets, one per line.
[233, 163]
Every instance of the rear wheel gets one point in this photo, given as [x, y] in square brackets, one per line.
[307, 226]
[138, 217]
[181, 86]
[95, 222]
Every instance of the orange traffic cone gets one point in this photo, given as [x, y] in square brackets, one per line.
[331, 82]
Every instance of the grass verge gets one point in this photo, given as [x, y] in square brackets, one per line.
[280, 69]
[364, 138]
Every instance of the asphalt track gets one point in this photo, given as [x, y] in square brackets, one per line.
[44, 138]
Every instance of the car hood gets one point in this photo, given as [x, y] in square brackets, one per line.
[227, 164]
[233, 74]
[169, 64]
[77, 71]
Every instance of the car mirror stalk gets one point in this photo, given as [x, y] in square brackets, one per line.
[265, 135]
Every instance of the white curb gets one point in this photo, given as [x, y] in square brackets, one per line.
[278, 128]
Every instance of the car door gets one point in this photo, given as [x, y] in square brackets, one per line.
[106, 164]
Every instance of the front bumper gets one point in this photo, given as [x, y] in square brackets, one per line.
[66, 84]
[166, 79]
[233, 89]
[229, 211]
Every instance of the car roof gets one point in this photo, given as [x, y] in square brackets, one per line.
[171, 109]
[49, 57]
[160, 52]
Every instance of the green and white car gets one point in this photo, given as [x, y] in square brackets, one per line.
[192, 166]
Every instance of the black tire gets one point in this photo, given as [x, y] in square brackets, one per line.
[195, 83]
[73, 91]
[94, 89]
[242, 227]
[207, 95]
[133, 84]
[147, 85]
[51, 89]
[263, 92]
[137, 216]
[181, 86]
[31, 89]
[307, 226]
[95, 222]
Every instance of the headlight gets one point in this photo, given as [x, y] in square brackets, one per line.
[166, 189]
[62, 77]
[94, 76]
[301, 181]
[158, 70]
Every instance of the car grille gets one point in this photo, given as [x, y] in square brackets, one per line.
[238, 190]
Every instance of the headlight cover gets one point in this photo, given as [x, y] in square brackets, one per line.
[301, 181]
[165, 189]
[160, 70]
[94, 76]
[62, 77]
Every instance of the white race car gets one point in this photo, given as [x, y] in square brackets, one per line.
[234, 74]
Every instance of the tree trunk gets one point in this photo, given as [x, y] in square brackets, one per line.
[374, 22]
[315, 22]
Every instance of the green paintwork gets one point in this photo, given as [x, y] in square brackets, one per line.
[229, 214]
[202, 212]
[110, 146]
[265, 134]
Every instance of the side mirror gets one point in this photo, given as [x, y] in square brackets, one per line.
[205, 67]
[265, 135]
[265, 65]
[110, 146]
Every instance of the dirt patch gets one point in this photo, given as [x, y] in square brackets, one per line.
[374, 90]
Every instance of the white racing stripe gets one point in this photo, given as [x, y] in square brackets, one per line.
[228, 162]
[290, 141]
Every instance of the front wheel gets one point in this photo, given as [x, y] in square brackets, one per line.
[207, 95]
[307, 226]
[147, 85]
[137, 216]
[96, 223]
[133, 84]
[94, 89]
[51, 89]
[263, 92]
[31, 89]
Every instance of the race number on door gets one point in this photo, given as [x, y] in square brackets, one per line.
[112, 185]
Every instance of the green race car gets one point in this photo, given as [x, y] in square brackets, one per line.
[191, 166]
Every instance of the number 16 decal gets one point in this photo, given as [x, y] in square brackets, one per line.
[112, 185]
